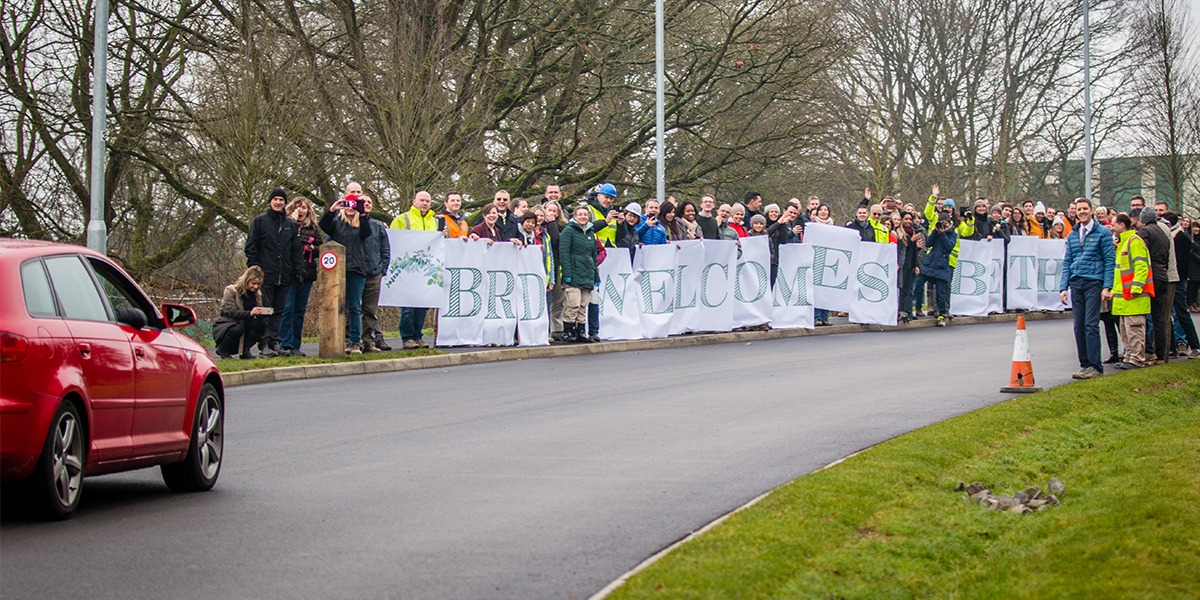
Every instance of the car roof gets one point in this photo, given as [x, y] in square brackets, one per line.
[23, 249]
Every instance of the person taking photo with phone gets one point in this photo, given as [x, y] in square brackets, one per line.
[343, 223]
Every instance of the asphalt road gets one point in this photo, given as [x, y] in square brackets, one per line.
[531, 479]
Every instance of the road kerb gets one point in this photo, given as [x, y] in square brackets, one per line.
[240, 378]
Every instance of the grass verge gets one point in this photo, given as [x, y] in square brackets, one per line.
[231, 365]
[886, 523]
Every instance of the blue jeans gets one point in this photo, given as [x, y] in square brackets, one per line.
[354, 292]
[941, 290]
[1085, 309]
[820, 314]
[593, 319]
[291, 326]
[1185, 329]
[411, 322]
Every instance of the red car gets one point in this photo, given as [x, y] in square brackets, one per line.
[94, 379]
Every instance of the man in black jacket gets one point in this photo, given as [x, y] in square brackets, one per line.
[1159, 248]
[273, 245]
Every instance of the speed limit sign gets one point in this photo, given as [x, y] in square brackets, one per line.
[328, 260]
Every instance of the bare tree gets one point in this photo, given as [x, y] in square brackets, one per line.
[1163, 40]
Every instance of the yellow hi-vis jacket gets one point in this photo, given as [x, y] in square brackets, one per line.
[415, 221]
[1133, 271]
[965, 229]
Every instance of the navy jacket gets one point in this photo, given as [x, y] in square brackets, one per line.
[1093, 260]
[938, 247]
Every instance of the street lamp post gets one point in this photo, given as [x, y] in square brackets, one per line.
[659, 111]
[1087, 102]
[97, 231]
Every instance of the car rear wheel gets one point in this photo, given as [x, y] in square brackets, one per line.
[57, 482]
[199, 470]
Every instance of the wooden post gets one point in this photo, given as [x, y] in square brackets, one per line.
[331, 279]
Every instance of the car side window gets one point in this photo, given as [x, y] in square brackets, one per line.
[120, 291]
[76, 290]
[39, 298]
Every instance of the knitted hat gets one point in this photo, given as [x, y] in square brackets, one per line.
[949, 203]
[1039, 208]
[278, 192]
[1148, 216]
[1058, 220]
[758, 219]
[768, 208]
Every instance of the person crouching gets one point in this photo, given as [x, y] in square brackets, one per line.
[243, 321]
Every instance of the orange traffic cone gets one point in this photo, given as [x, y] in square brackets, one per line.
[1021, 381]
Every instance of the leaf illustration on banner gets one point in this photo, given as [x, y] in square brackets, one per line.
[421, 262]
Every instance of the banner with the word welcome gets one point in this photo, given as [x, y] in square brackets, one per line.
[496, 293]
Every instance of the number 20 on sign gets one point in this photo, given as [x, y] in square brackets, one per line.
[328, 260]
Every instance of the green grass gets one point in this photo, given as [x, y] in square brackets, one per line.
[886, 523]
[230, 365]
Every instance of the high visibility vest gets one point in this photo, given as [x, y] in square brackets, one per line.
[881, 232]
[1134, 273]
[415, 221]
[455, 227]
[606, 236]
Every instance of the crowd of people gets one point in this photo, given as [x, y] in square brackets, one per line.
[1151, 252]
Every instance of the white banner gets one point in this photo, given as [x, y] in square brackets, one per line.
[533, 313]
[752, 284]
[996, 277]
[690, 261]
[655, 269]
[1022, 273]
[716, 285]
[619, 298]
[487, 294]
[969, 285]
[417, 270]
[833, 262]
[794, 288]
[876, 296]
[1051, 255]
[460, 318]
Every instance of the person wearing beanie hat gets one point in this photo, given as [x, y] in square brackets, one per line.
[627, 227]
[1158, 245]
[758, 225]
[1058, 228]
[772, 212]
[273, 245]
[1087, 278]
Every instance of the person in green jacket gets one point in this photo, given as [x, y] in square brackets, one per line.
[578, 261]
[1136, 286]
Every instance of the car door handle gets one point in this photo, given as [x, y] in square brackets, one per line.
[139, 352]
[85, 349]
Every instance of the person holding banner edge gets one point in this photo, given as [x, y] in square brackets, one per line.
[418, 218]
[1087, 274]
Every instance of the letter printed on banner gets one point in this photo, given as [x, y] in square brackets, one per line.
[969, 294]
[533, 316]
[716, 285]
[689, 261]
[752, 284]
[654, 269]
[1051, 255]
[996, 277]
[619, 298]
[794, 288]
[500, 303]
[1021, 275]
[416, 275]
[834, 251]
[460, 316]
[876, 299]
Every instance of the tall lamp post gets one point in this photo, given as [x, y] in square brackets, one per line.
[1087, 102]
[97, 231]
[659, 111]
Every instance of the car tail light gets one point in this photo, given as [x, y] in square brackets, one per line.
[12, 347]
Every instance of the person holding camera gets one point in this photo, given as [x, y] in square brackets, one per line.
[291, 325]
[273, 245]
[243, 319]
[343, 223]
[651, 231]
[936, 268]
